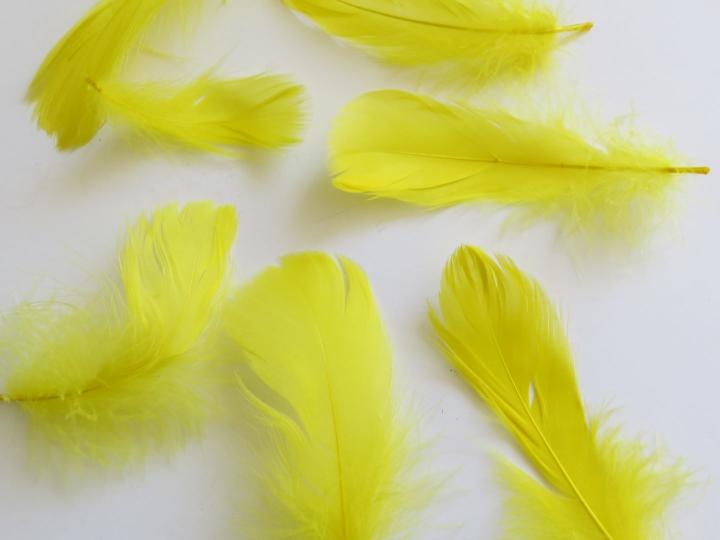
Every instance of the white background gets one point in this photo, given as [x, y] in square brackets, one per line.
[644, 325]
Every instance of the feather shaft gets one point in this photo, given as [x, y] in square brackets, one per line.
[32, 399]
[580, 27]
[569, 166]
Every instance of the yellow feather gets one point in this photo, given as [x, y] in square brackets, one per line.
[468, 40]
[95, 48]
[209, 114]
[128, 371]
[413, 148]
[313, 337]
[503, 335]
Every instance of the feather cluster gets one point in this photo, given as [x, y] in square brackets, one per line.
[129, 370]
[312, 336]
[499, 330]
[132, 369]
[471, 41]
[416, 149]
[79, 87]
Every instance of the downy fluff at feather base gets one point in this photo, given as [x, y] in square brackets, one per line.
[129, 370]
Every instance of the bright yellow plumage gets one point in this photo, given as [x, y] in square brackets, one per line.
[128, 371]
[503, 335]
[312, 335]
[210, 114]
[465, 41]
[95, 48]
[413, 148]
[79, 87]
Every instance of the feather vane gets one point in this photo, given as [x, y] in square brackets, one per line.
[311, 333]
[503, 335]
[209, 114]
[470, 41]
[128, 371]
[404, 146]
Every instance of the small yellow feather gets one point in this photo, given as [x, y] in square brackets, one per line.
[95, 48]
[312, 336]
[502, 334]
[129, 370]
[416, 149]
[210, 114]
[468, 41]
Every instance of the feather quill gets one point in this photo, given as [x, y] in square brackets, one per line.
[404, 146]
[312, 335]
[128, 371]
[66, 106]
[209, 114]
[502, 334]
[469, 41]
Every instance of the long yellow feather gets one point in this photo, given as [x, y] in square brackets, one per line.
[95, 48]
[312, 335]
[210, 114]
[468, 40]
[129, 370]
[413, 148]
[503, 335]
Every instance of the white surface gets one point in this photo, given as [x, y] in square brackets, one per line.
[644, 328]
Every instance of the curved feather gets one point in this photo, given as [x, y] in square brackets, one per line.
[413, 148]
[128, 371]
[312, 335]
[96, 47]
[209, 114]
[503, 335]
[468, 40]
